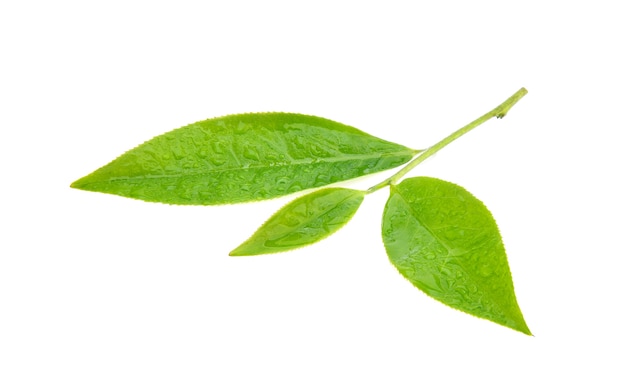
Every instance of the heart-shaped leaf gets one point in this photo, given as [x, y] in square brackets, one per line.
[446, 242]
[244, 157]
[305, 220]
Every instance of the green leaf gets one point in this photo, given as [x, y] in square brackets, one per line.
[305, 220]
[446, 242]
[244, 157]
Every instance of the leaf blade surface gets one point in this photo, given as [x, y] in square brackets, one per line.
[244, 157]
[303, 221]
[447, 244]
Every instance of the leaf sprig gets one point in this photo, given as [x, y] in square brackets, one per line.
[437, 234]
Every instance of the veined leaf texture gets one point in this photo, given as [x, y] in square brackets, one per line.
[304, 221]
[446, 243]
[244, 157]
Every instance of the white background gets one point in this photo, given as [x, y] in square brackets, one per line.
[98, 290]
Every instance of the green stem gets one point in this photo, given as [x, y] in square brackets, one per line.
[498, 112]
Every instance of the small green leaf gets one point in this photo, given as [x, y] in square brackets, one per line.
[446, 242]
[305, 220]
[244, 157]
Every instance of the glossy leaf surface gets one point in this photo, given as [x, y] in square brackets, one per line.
[446, 242]
[244, 157]
[305, 220]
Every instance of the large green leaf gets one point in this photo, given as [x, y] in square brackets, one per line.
[446, 242]
[244, 157]
[303, 221]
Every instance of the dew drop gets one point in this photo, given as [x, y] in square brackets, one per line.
[250, 153]
[241, 128]
[295, 188]
[485, 270]
[217, 159]
[322, 179]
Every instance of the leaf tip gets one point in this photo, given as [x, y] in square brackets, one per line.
[523, 328]
[78, 184]
[88, 183]
[239, 251]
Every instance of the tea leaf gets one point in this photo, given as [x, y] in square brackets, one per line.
[305, 220]
[244, 157]
[446, 243]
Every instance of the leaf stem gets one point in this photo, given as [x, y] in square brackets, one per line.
[499, 112]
